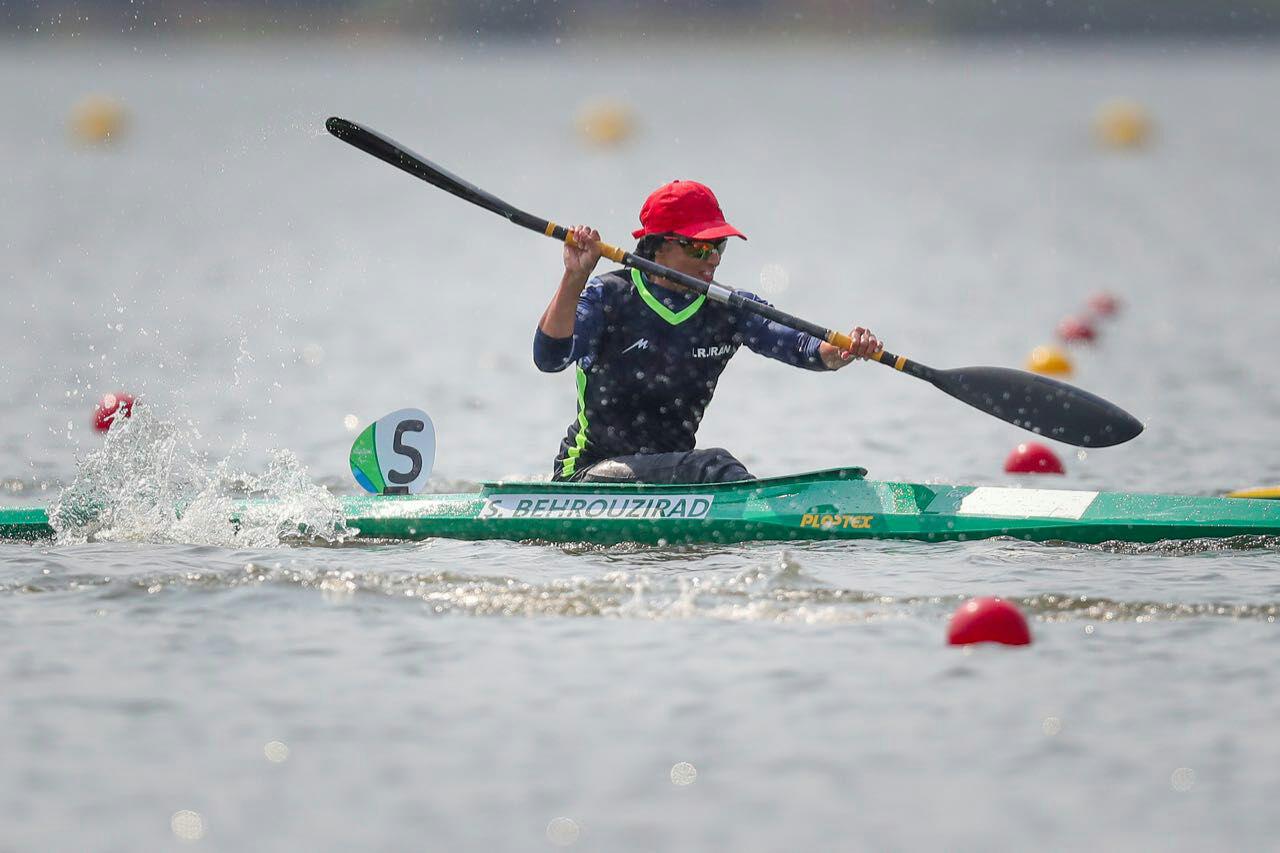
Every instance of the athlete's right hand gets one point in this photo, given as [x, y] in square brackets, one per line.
[582, 255]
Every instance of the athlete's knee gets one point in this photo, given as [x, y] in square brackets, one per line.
[720, 466]
[610, 471]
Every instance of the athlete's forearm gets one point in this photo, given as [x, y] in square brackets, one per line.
[787, 345]
[557, 321]
[559, 342]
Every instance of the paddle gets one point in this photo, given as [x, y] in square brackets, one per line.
[1045, 406]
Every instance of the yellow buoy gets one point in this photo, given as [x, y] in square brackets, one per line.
[1049, 361]
[1269, 493]
[605, 122]
[97, 119]
[1122, 124]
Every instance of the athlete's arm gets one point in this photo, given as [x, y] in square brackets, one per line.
[801, 348]
[551, 355]
[580, 258]
[780, 342]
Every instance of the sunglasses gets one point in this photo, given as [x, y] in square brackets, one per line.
[700, 250]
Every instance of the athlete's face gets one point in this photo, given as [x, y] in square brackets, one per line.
[698, 258]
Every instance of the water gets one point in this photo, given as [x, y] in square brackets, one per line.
[256, 281]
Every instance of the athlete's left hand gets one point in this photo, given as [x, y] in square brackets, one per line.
[865, 345]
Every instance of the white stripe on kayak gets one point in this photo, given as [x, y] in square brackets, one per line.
[1026, 503]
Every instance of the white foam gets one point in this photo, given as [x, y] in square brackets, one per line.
[148, 483]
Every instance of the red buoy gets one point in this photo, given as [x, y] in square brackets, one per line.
[1076, 330]
[1103, 304]
[110, 407]
[1031, 457]
[988, 620]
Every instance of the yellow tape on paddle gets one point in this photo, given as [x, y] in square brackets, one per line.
[613, 253]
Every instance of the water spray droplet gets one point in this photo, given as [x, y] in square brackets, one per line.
[187, 825]
[774, 279]
[563, 831]
[683, 774]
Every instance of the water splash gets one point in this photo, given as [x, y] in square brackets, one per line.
[148, 483]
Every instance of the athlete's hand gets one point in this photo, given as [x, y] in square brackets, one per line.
[582, 255]
[865, 345]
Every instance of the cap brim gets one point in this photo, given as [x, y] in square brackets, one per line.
[698, 231]
[712, 231]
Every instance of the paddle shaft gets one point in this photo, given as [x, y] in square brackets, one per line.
[726, 295]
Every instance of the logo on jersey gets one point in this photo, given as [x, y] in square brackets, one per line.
[643, 343]
[711, 352]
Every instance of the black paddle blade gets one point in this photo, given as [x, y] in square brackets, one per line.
[1044, 406]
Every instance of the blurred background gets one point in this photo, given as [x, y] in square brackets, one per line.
[552, 17]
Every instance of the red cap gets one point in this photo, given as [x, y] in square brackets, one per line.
[687, 208]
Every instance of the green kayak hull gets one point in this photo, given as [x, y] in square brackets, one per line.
[832, 504]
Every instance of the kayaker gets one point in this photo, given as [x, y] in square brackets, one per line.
[650, 351]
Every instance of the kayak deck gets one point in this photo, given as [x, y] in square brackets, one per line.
[832, 504]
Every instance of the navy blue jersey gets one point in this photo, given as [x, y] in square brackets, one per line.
[648, 362]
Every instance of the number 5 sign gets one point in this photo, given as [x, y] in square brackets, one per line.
[394, 454]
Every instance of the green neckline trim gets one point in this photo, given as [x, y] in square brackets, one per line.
[661, 310]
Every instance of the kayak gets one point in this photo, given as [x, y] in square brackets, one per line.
[839, 503]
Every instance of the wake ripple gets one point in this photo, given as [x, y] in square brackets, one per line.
[776, 591]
